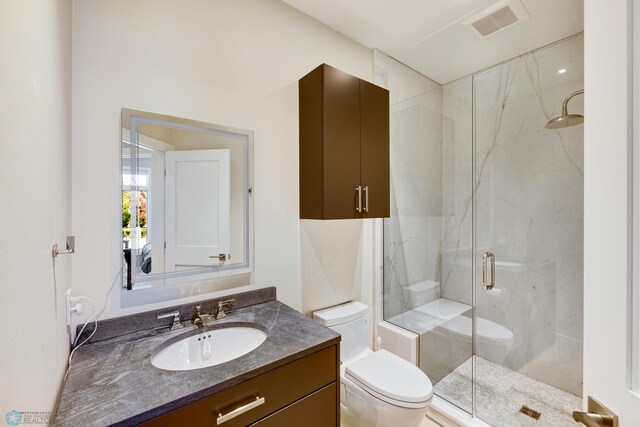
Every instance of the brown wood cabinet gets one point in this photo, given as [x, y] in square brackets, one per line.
[303, 392]
[344, 146]
[315, 410]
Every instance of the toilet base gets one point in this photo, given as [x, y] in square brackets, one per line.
[360, 409]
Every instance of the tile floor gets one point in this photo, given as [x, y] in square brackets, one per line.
[426, 423]
[501, 393]
[429, 423]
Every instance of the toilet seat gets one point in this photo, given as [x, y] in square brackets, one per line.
[391, 379]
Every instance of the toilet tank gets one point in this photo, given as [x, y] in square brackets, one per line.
[351, 321]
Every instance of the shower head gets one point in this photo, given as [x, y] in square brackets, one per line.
[566, 119]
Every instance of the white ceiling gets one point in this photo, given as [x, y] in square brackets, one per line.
[433, 36]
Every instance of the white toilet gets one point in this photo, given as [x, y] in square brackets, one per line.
[376, 388]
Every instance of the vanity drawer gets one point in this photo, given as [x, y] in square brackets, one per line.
[279, 388]
[316, 410]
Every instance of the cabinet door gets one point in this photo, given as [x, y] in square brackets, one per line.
[341, 143]
[310, 145]
[374, 166]
[279, 388]
[316, 410]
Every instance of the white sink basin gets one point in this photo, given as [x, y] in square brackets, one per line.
[208, 348]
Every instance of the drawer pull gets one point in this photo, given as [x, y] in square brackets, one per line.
[241, 410]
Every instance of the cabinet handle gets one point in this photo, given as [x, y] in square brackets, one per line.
[359, 190]
[241, 410]
[366, 199]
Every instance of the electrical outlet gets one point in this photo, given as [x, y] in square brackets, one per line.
[74, 306]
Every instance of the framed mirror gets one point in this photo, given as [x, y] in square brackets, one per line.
[186, 202]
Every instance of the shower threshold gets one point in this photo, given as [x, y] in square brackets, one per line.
[507, 398]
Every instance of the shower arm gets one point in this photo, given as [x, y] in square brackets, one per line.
[567, 99]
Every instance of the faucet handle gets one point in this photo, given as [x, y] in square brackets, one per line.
[175, 323]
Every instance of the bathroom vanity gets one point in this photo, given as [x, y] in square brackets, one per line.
[187, 229]
[290, 379]
[303, 392]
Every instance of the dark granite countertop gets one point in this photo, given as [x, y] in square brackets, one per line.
[112, 382]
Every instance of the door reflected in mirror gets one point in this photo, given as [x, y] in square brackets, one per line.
[186, 200]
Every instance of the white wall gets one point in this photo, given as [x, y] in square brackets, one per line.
[607, 200]
[35, 129]
[234, 63]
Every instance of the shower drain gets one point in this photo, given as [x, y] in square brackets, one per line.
[530, 412]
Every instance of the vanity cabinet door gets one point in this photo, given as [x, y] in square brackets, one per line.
[261, 396]
[374, 150]
[316, 410]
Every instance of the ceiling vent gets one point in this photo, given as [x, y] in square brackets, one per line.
[498, 17]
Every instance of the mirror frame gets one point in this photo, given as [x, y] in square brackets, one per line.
[200, 280]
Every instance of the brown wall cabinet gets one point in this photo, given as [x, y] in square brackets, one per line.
[344, 146]
[301, 393]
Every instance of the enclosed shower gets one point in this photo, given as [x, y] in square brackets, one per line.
[483, 252]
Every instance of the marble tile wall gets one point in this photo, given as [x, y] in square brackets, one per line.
[413, 234]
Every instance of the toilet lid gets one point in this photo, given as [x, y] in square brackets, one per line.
[391, 378]
[485, 329]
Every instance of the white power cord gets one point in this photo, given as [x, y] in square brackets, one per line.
[93, 311]
[93, 318]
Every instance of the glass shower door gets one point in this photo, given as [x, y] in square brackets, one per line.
[427, 287]
[528, 204]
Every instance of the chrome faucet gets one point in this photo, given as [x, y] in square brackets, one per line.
[224, 307]
[200, 318]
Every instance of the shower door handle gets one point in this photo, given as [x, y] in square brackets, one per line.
[488, 256]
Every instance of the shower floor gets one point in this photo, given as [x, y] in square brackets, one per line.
[500, 393]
